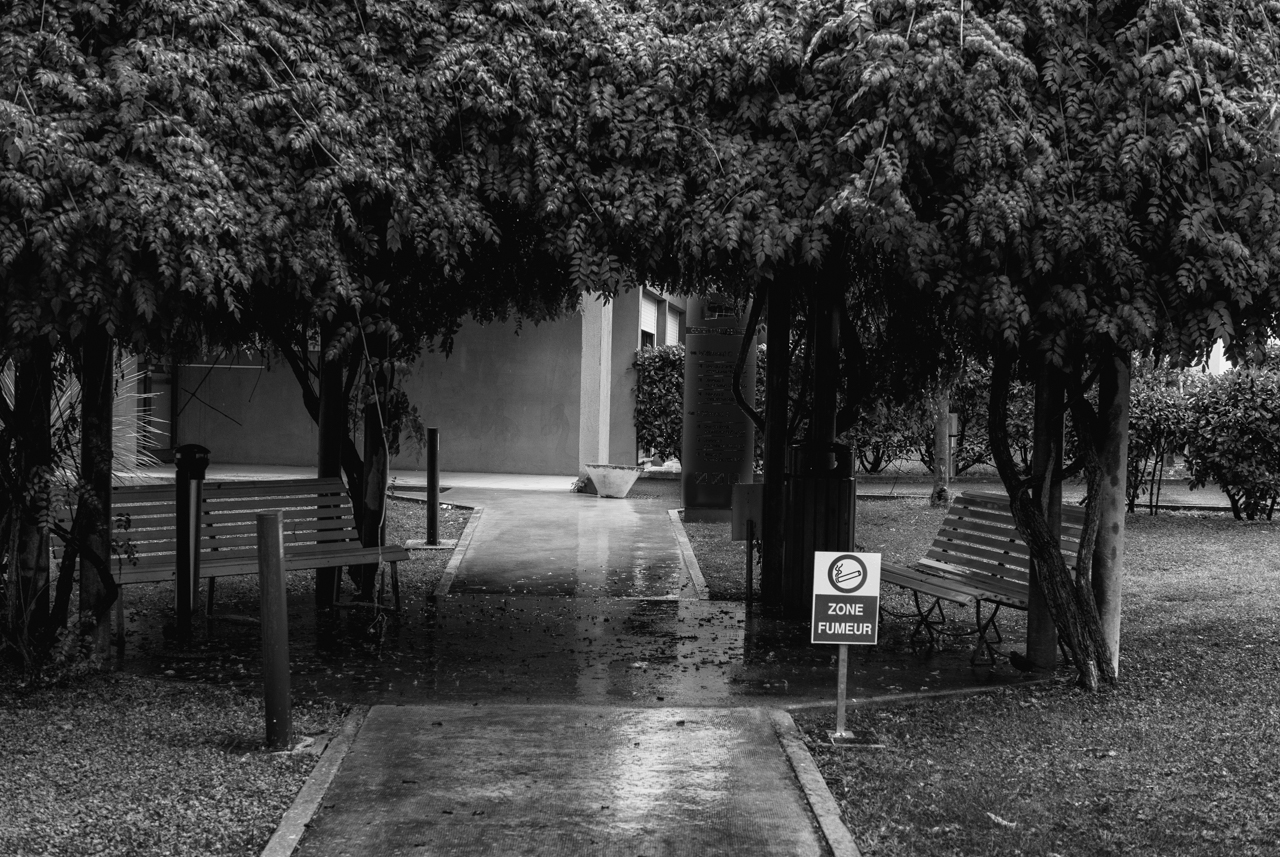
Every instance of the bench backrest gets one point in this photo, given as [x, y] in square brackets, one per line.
[316, 512]
[979, 534]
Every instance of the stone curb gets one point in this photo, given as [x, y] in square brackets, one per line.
[688, 557]
[814, 787]
[304, 806]
[918, 696]
[455, 560]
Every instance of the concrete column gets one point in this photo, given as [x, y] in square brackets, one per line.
[718, 448]
[622, 384]
[595, 385]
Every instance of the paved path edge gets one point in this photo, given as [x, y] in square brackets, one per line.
[688, 557]
[920, 696]
[460, 551]
[294, 823]
[824, 807]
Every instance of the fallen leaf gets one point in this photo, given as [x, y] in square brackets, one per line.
[1000, 821]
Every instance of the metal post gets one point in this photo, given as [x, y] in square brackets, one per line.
[751, 560]
[842, 687]
[191, 461]
[275, 629]
[433, 486]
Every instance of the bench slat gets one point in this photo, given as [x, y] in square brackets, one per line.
[911, 578]
[981, 586]
[275, 487]
[271, 504]
[1002, 565]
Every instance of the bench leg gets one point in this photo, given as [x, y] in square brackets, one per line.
[931, 621]
[985, 652]
[395, 584]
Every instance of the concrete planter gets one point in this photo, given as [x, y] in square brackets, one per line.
[612, 480]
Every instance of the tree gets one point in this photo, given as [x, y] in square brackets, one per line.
[1081, 181]
[114, 227]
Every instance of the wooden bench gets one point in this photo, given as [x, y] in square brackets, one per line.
[978, 556]
[319, 530]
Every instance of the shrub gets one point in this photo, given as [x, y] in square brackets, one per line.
[659, 414]
[1234, 439]
[884, 434]
[1158, 418]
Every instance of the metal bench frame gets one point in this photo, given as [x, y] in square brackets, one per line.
[978, 556]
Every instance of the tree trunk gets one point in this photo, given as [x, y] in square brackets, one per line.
[1046, 464]
[376, 460]
[1113, 452]
[824, 343]
[777, 391]
[97, 396]
[1072, 607]
[29, 574]
[940, 411]
[350, 462]
[331, 418]
[819, 515]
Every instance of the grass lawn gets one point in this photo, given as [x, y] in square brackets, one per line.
[1181, 758]
[118, 764]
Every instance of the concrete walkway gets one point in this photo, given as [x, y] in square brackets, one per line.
[535, 542]
[565, 780]
[570, 601]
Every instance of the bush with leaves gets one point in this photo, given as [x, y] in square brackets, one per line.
[1158, 417]
[886, 433]
[1233, 439]
[659, 413]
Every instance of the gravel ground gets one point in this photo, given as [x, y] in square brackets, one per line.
[134, 766]
[123, 765]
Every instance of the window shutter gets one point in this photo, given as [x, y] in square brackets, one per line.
[649, 316]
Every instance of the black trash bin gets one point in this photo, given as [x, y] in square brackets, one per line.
[821, 514]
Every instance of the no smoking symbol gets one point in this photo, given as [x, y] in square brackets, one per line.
[847, 573]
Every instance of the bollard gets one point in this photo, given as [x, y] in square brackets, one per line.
[275, 630]
[190, 460]
[433, 486]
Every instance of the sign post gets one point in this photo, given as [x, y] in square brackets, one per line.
[846, 611]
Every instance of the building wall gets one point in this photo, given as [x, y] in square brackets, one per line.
[504, 403]
[245, 415]
[547, 399]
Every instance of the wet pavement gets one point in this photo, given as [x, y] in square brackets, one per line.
[562, 543]
[559, 597]
[601, 651]
[564, 780]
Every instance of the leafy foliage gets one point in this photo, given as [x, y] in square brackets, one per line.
[1158, 426]
[659, 413]
[1233, 439]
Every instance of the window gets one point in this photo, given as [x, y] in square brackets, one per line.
[648, 322]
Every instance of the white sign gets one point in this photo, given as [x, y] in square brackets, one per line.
[846, 597]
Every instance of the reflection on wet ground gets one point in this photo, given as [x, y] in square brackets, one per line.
[560, 597]
[613, 651]
[564, 780]
[534, 543]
